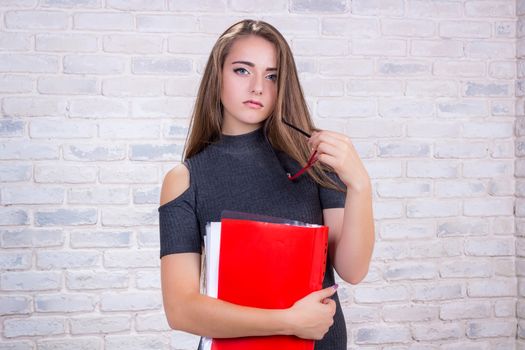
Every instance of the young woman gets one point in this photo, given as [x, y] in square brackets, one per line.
[244, 153]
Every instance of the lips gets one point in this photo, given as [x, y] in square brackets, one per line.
[253, 103]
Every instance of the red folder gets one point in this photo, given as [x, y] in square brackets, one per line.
[269, 265]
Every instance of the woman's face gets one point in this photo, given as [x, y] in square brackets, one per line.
[249, 84]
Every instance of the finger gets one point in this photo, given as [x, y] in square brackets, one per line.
[325, 293]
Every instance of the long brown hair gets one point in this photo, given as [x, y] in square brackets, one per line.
[206, 120]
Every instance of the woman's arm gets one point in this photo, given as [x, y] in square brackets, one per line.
[351, 236]
[188, 310]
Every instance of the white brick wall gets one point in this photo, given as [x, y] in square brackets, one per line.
[95, 97]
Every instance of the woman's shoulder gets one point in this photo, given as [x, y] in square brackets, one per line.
[176, 182]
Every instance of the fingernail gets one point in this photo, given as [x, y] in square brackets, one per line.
[335, 286]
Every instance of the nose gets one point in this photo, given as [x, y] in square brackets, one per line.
[257, 85]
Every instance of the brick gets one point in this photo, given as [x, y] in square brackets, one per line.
[438, 9]
[90, 152]
[382, 334]
[385, 8]
[505, 308]
[155, 152]
[461, 189]
[466, 269]
[345, 67]
[437, 88]
[161, 66]
[19, 3]
[71, 3]
[129, 174]
[464, 29]
[10, 260]
[258, 6]
[403, 108]
[103, 21]
[137, 5]
[130, 258]
[503, 149]
[323, 87]
[481, 130]
[129, 130]
[492, 288]
[15, 42]
[32, 195]
[60, 128]
[346, 107]
[133, 44]
[369, 129]
[436, 48]
[15, 304]
[471, 88]
[126, 87]
[13, 216]
[98, 195]
[385, 168]
[66, 43]
[390, 250]
[12, 128]
[490, 247]
[68, 217]
[502, 70]
[328, 6]
[401, 231]
[320, 47]
[92, 280]
[94, 64]
[146, 195]
[148, 279]
[65, 174]
[403, 149]
[19, 345]
[488, 207]
[30, 280]
[53, 20]
[403, 67]
[491, 328]
[147, 238]
[168, 23]
[490, 50]
[130, 301]
[421, 208]
[31, 238]
[505, 267]
[198, 5]
[66, 344]
[100, 239]
[15, 83]
[64, 303]
[67, 86]
[162, 108]
[35, 107]
[465, 310]
[63, 259]
[460, 149]
[389, 210]
[437, 291]
[373, 87]
[489, 9]
[432, 169]
[102, 107]
[451, 68]
[410, 271]
[407, 27]
[35, 326]
[434, 249]
[100, 324]
[461, 109]
[184, 86]
[403, 190]
[437, 331]
[361, 314]
[380, 294]
[379, 47]
[410, 313]
[350, 27]
[30, 63]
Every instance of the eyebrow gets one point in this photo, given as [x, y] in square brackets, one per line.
[253, 65]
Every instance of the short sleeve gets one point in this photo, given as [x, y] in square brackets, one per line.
[179, 226]
[331, 198]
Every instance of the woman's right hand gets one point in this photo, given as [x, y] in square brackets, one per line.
[313, 315]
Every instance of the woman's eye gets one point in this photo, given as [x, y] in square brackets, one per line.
[272, 77]
[240, 70]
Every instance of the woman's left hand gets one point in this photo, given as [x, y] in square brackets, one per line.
[337, 151]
